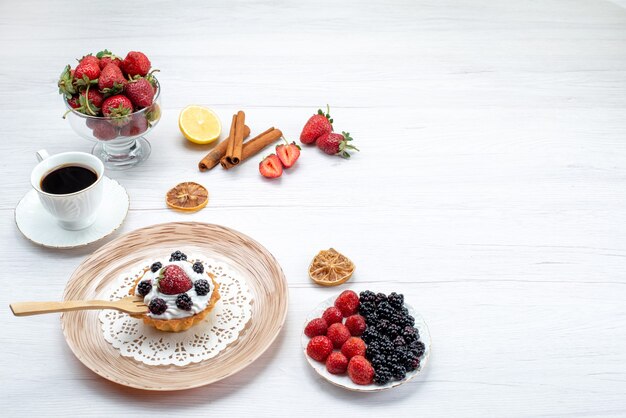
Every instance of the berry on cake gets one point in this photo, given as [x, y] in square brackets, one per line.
[178, 293]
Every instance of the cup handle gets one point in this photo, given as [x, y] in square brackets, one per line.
[41, 155]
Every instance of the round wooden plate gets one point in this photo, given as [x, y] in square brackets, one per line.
[343, 380]
[91, 279]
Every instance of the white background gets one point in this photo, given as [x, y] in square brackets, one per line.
[489, 190]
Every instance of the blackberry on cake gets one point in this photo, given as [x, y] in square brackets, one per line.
[198, 267]
[202, 287]
[144, 287]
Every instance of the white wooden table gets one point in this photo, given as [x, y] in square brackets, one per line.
[490, 190]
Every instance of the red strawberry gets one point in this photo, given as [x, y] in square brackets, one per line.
[316, 327]
[319, 348]
[288, 153]
[347, 302]
[136, 63]
[103, 130]
[336, 363]
[138, 125]
[111, 80]
[317, 125]
[332, 315]
[73, 102]
[353, 347]
[336, 144]
[117, 106]
[356, 324]
[88, 69]
[140, 92]
[89, 59]
[338, 334]
[360, 370]
[106, 57]
[174, 280]
[89, 102]
[271, 167]
[108, 60]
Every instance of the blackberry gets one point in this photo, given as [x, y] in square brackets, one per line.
[412, 363]
[157, 306]
[183, 301]
[378, 361]
[178, 256]
[418, 347]
[394, 330]
[398, 371]
[198, 267]
[384, 345]
[399, 341]
[392, 359]
[155, 266]
[383, 324]
[366, 308]
[372, 319]
[372, 349]
[381, 297]
[408, 321]
[382, 375]
[403, 354]
[144, 287]
[202, 287]
[410, 334]
[384, 310]
[370, 334]
[404, 310]
[396, 300]
[398, 319]
[367, 296]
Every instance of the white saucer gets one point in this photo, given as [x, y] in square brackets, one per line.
[40, 227]
[343, 380]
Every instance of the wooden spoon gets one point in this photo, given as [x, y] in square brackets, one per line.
[129, 304]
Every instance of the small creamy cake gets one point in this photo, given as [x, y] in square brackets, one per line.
[178, 293]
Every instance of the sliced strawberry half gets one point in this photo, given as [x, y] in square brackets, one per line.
[271, 167]
[288, 153]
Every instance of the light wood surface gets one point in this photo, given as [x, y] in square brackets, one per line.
[490, 190]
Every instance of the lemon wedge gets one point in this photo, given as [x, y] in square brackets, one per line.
[199, 124]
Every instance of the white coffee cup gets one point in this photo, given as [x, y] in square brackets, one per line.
[73, 211]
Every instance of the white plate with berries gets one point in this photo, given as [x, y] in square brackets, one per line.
[366, 343]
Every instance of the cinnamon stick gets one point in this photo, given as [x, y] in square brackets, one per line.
[213, 158]
[235, 145]
[255, 145]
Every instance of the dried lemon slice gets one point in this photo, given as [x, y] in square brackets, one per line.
[330, 268]
[187, 196]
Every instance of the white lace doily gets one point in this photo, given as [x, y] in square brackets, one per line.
[201, 342]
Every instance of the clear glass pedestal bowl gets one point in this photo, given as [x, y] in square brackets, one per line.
[119, 142]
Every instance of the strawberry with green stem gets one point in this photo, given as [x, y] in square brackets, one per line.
[106, 57]
[111, 80]
[66, 82]
[118, 108]
[89, 102]
[87, 71]
[336, 144]
[317, 125]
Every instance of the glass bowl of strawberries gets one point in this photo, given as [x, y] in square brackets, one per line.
[114, 102]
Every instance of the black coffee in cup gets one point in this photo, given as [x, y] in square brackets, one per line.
[68, 179]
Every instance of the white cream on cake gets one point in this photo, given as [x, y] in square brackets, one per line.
[173, 312]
